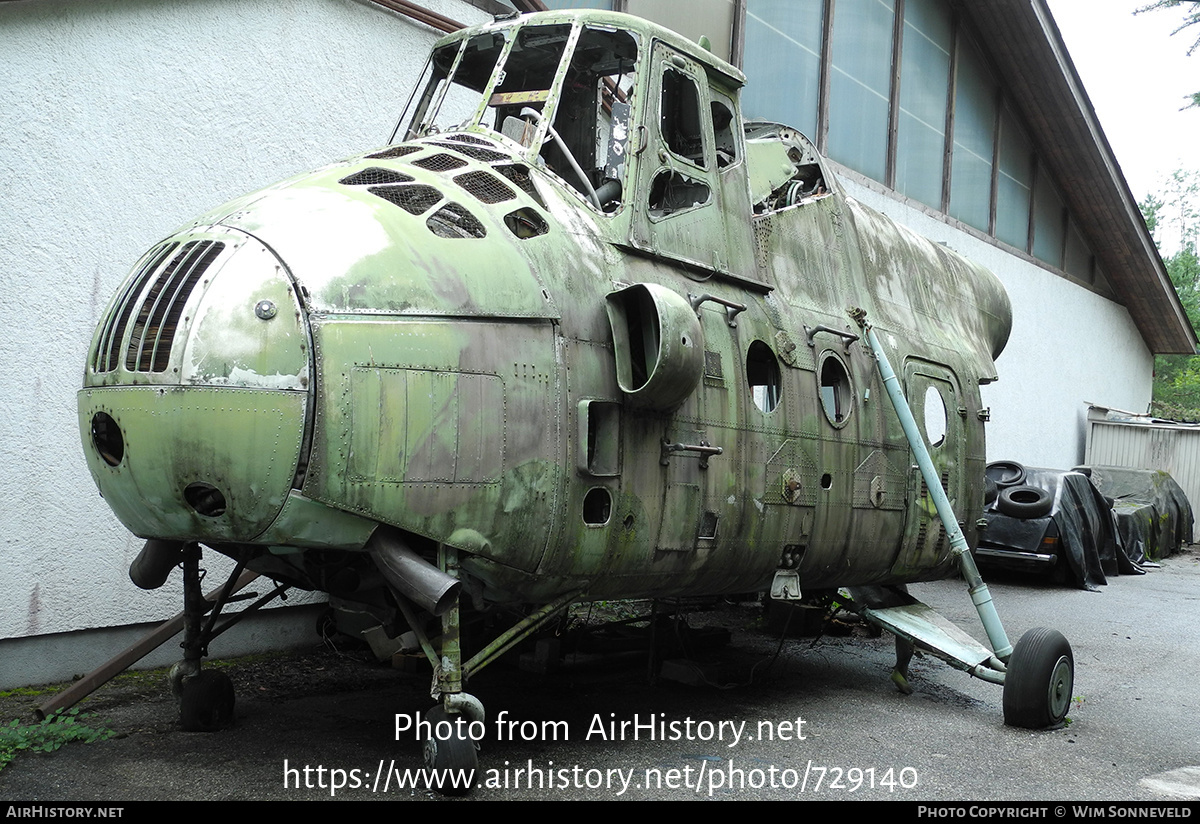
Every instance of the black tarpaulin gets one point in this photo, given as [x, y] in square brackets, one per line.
[1154, 516]
[1087, 538]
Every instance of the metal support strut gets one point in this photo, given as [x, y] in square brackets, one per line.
[958, 542]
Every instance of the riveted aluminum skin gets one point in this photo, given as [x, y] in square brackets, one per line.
[465, 335]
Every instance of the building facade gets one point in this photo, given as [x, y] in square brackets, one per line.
[967, 122]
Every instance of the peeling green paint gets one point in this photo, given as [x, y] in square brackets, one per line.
[446, 337]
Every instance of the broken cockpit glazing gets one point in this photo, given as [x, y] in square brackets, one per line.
[563, 91]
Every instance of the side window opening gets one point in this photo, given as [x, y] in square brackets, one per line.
[453, 100]
[762, 374]
[722, 118]
[679, 117]
[593, 114]
[673, 192]
[835, 390]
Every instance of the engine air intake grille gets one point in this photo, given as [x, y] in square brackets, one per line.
[469, 138]
[108, 349]
[474, 152]
[415, 200]
[484, 186]
[393, 152]
[440, 162]
[154, 327]
[373, 176]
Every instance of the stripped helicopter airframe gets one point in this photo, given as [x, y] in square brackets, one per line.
[578, 332]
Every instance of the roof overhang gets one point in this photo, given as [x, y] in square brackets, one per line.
[1033, 62]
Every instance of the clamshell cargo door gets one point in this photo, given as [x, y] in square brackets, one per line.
[936, 400]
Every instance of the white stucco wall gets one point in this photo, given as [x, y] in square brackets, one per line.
[1068, 346]
[121, 120]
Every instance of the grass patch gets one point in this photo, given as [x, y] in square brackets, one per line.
[48, 734]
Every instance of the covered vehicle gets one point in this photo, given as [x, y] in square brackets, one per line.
[1153, 515]
[1051, 520]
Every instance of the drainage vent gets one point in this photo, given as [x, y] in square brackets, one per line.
[470, 138]
[415, 200]
[484, 186]
[474, 153]
[108, 349]
[453, 221]
[154, 330]
[395, 151]
[374, 175]
[440, 163]
[519, 175]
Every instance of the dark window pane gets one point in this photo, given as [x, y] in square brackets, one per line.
[974, 133]
[1014, 184]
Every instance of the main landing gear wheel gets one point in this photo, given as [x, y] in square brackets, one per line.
[206, 701]
[454, 756]
[1040, 679]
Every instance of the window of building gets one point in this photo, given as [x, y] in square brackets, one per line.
[974, 139]
[783, 35]
[1014, 184]
[1049, 222]
[860, 85]
[1078, 258]
[924, 91]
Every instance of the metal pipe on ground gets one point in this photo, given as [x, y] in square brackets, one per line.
[110, 669]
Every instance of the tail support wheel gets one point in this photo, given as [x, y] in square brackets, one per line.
[1040, 679]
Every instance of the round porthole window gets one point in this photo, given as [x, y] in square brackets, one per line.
[836, 393]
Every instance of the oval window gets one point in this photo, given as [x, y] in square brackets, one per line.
[762, 373]
[935, 417]
[836, 395]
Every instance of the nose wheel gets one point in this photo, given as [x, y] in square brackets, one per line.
[450, 752]
[206, 697]
[206, 702]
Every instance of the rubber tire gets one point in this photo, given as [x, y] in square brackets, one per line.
[1005, 473]
[454, 753]
[206, 702]
[1040, 679]
[1024, 502]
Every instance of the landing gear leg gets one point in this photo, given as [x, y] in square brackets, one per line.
[904, 653]
[205, 698]
[452, 750]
